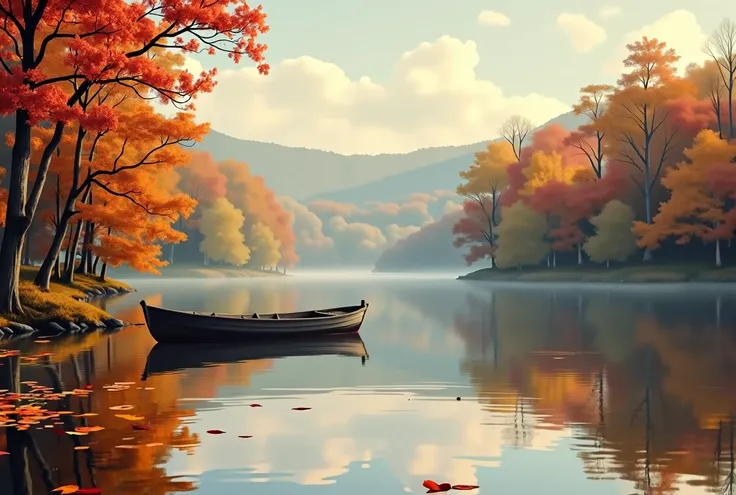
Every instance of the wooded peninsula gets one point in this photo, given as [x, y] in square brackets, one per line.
[643, 191]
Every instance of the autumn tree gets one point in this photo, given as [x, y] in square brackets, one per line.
[471, 230]
[485, 182]
[143, 139]
[521, 237]
[694, 209]
[589, 137]
[721, 47]
[103, 43]
[264, 247]
[709, 83]
[613, 239]
[636, 117]
[515, 131]
[224, 241]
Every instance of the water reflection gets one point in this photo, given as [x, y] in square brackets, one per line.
[592, 391]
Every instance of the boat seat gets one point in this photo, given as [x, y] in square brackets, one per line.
[324, 313]
[255, 315]
[275, 317]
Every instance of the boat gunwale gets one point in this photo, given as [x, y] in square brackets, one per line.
[282, 316]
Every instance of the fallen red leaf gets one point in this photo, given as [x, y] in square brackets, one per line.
[245, 436]
[88, 491]
[215, 432]
[141, 427]
[465, 487]
[431, 485]
[255, 405]
[301, 408]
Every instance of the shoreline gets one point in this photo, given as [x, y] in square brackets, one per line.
[196, 272]
[626, 275]
[64, 309]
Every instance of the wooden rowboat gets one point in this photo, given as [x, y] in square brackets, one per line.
[170, 326]
[168, 358]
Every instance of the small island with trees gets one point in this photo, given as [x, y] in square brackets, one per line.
[644, 191]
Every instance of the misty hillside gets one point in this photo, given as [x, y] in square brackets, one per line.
[302, 173]
[440, 175]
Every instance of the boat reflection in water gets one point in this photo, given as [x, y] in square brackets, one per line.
[167, 358]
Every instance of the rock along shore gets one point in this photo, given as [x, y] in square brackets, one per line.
[55, 328]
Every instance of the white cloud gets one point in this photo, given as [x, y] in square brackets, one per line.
[495, 19]
[609, 12]
[679, 29]
[583, 33]
[433, 98]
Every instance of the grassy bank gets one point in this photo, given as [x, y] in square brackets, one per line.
[60, 303]
[627, 274]
[197, 272]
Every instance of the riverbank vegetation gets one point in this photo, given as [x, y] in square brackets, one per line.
[649, 179]
[93, 178]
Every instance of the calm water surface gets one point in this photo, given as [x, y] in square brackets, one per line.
[561, 391]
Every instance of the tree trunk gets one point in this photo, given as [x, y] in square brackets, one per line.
[89, 248]
[580, 255]
[16, 222]
[608, 263]
[103, 272]
[53, 256]
[85, 263]
[74, 245]
[554, 259]
[718, 253]
[94, 265]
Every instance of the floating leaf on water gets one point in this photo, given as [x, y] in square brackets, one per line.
[85, 415]
[42, 341]
[88, 387]
[465, 487]
[130, 417]
[66, 489]
[245, 436]
[148, 388]
[301, 408]
[81, 447]
[155, 444]
[28, 382]
[88, 491]
[255, 405]
[431, 485]
[126, 446]
[141, 427]
[215, 432]
[128, 439]
[76, 433]
[124, 407]
[124, 383]
[88, 429]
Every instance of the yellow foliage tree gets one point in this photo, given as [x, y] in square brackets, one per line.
[265, 248]
[613, 239]
[544, 168]
[220, 225]
[694, 209]
[485, 181]
[521, 237]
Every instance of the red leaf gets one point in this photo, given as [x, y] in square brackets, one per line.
[141, 427]
[431, 485]
[88, 491]
[255, 405]
[465, 487]
[445, 487]
[301, 408]
[245, 436]
[88, 387]
[2, 452]
[215, 432]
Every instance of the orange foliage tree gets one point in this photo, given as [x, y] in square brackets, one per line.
[589, 137]
[472, 229]
[695, 208]
[122, 163]
[104, 43]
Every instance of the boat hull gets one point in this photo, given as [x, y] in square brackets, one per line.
[168, 326]
[168, 358]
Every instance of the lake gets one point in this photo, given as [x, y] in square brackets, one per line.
[518, 390]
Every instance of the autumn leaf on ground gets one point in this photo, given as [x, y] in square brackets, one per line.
[215, 432]
[66, 489]
[301, 408]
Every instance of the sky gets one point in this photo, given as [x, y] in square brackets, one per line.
[383, 76]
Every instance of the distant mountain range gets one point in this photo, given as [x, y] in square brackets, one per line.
[439, 175]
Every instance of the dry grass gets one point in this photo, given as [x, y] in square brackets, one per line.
[59, 303]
